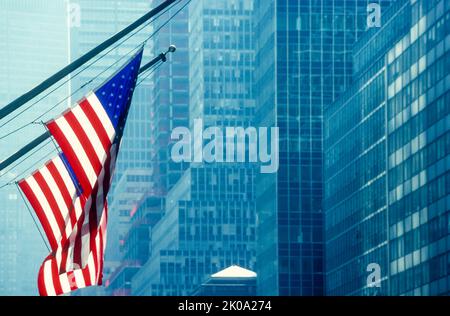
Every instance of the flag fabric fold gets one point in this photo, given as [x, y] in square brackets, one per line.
[69, 193]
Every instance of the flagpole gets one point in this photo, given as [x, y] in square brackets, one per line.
[33, 144]
[17, 103]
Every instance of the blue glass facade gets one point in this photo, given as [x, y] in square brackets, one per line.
[304, 61]
[170, 103]
[209, 221]
[208, 225]
[136, 243]
[386, 159]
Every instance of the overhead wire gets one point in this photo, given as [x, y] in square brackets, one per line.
[115, 46]
[26, 171]
[34, 121]
[38, 148]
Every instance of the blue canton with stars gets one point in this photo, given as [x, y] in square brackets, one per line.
[116, 93]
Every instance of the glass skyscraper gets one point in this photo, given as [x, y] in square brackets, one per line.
[209, 222]
[303, 62]
[170, 103]
[136, 244]
[387, 159]
[127, 194]
[208, 225]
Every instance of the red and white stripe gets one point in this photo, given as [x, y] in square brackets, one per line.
[85, 135]
[74, 226]
[52, 194]
[53, 282]
[86, 244]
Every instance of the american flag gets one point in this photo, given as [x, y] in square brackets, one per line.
[69, 193]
